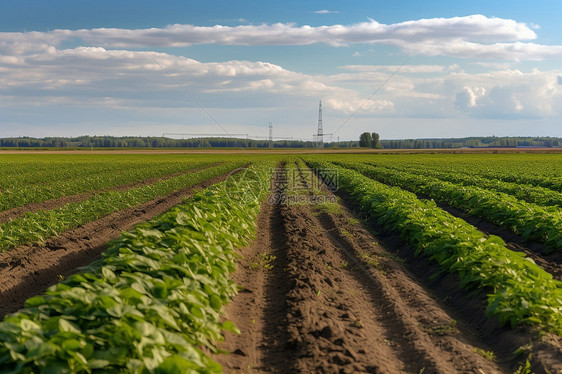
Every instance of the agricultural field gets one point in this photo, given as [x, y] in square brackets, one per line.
[186, 263]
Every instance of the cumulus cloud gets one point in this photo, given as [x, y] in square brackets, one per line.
[349, 106]
[126, 76]
[471, 36]
[464, 49]
[453, 93]
[136, 81]
[509, 94]
[466, 99]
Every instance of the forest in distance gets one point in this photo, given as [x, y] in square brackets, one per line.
[226, 142]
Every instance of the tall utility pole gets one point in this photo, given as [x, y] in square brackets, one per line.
[320, 135]
[270, 135]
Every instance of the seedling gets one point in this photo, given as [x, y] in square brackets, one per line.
[486, 354]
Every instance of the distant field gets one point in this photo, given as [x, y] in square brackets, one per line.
[276, 150]
[436, 261]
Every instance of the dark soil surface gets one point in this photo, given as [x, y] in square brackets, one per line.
[29, 270]
[321, 293]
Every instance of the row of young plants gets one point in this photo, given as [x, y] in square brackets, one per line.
[19, 173]
[505, 165]
[526, 192]
[26, 170]
[536, 170]
[88, 180]
[553, 182]
[530, 221]
[41, 225]
[152, 304]
[519, 291]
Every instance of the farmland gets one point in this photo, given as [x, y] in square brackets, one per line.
[161, 263]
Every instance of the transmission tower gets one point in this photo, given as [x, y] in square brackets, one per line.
[270, 135]
[320, 135]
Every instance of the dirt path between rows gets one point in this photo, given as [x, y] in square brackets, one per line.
[17, 212]
[542, 351]
[319, 293]
[29, 270]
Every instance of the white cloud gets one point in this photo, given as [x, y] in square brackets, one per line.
[494, 65]
[508, 94]
[452, 93]
[138, 78]
[348, 106]
[464, 49]
[392, 68]
[466, 99]
[64, 85]
[474, 36]
[325, 11]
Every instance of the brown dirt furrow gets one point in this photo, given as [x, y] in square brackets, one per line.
[455, 320]
[29, 270]
[337, 325]
[332, 302]
[145, 182]
[415, 316]
[260, 306]
[467, 309]
[14, 213]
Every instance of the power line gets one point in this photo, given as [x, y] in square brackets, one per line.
[189, 94]
[369, 98]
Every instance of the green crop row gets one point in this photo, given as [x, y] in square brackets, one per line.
[27, 171]
[541, 174]
[86, 179]
[522, 176]
[36, 227]
[534, 169]
[519, 291]
[152, 304]
[531, 221]
[532, 194]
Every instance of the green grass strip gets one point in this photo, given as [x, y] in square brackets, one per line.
[36, 227]
[519, 291]
[152, 304]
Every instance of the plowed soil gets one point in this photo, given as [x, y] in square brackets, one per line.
[321, 293]
[29, 270]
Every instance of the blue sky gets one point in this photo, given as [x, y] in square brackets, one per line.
[482, 68]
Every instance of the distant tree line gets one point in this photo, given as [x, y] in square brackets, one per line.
[158, 142]
[370, 140]
[473, 142]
